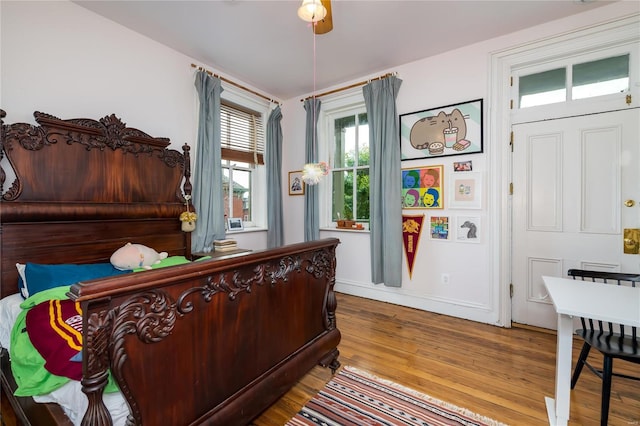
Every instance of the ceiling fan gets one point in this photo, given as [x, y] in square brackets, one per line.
[324, 25]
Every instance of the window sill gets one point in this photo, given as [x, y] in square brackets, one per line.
[336, 229]
[247, 230]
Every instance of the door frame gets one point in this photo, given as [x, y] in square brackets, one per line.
[614, 33]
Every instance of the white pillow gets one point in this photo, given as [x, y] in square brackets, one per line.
[23, 289]
[9, 311]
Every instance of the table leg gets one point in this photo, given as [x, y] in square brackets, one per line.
[563, 369]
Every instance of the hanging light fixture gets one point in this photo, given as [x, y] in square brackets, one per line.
[312, 11]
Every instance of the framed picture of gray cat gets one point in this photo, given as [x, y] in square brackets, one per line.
[443, 131]
[468, 229]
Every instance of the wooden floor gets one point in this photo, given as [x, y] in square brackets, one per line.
[497, 372]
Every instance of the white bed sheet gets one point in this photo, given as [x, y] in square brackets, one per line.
[70, 396]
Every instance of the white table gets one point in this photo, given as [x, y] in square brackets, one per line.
[606, 302]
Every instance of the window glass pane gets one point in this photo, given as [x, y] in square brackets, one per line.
[241, 194]
[237, 196]
[344, 133]
[363, 140]
[225, 187]
[602, 77]
[543, 88]
[342, 196]
[362, 197]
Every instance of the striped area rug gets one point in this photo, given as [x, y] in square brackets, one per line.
[356, 398]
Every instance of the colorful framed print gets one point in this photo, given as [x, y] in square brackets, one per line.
[443, 131]
[296, 184]
[466, 191]
[439, 228]
[468, 229]
[423, 187]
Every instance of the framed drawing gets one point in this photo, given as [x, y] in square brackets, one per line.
[296, 184]
[439, 227]
[235, 224]
[423, 187]
[466, 191]
[468, 229]
[439, 132]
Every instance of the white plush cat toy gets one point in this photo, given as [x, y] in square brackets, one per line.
[133, 256]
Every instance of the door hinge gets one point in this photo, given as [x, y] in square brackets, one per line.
[510, 103]
[511, 141]
[511, 290]
[511, 81]
[628, 99]
[510, 188]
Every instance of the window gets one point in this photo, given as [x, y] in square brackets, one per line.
[543, 88]
[603, 77]
[582, 80]
[350, 172]
[242, 138]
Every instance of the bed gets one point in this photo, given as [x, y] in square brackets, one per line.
[212, 341]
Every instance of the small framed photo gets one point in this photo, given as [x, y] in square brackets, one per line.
[235, 224]
[468, 229]
[465, 191]
[462, 166]
[296, 184]
[439, 228]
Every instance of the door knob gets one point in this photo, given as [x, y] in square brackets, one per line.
[629, 203]
[631, 240]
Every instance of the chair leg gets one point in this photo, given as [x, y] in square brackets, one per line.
[607, 372]
[581, 359]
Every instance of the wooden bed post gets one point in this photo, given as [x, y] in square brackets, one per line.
[187, 188]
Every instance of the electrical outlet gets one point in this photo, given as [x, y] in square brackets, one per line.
[444, 278]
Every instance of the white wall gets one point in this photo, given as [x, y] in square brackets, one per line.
[61, 59]
[474, 289]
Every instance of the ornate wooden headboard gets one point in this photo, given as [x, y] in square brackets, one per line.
[83, 188]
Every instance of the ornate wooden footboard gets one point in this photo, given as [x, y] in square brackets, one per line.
[212, 342]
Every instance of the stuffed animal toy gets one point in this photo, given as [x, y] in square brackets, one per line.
[132, 256]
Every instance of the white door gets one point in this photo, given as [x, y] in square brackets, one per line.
[571, 179]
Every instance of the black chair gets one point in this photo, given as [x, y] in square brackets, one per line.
[612, 340]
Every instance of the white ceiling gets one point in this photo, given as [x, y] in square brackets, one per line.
[264, 44]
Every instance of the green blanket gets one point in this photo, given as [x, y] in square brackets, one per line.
[26, 362]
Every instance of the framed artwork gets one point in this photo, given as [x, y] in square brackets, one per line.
[296, 184]
[443, 131]
[468, 229]
[462, 166]
[466, 191]
[439, 227]
[423, 187]
[235, 224]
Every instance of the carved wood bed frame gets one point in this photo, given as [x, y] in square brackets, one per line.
[209, 342]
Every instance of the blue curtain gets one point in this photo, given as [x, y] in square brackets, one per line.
[208, 193]
[384, 181]
[273, 160]
[311, 197]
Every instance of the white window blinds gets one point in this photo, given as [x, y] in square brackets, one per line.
[242, 134]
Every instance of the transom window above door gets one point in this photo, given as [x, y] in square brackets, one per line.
[580, 80]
